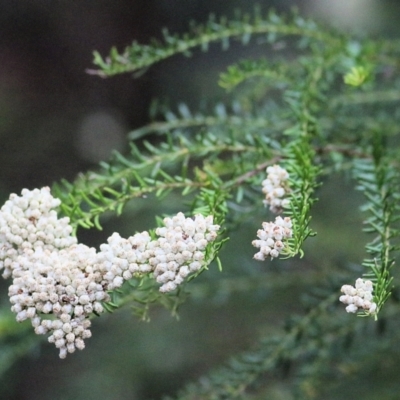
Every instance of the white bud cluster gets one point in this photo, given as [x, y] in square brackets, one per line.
[28, 223]
[180, 248]
[178, 251]
[58, 284]
[271, 238]
[275, 188]
[359, 297]
[121, 258]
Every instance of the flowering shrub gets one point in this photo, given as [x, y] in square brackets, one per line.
[326, 115]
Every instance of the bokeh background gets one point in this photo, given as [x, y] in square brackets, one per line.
[56, 121]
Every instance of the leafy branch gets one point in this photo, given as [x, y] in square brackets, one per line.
[276, 74]
[95, 193]
[301, 339]
[224, 120]
[378, 181]
[303, 182]
[300, 162]
[138, 57]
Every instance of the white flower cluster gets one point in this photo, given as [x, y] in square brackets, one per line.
[275, 187]
[58, 284]
[179, 250]
[121, 258]
[271, 238]
[28, 223]
[359, 297]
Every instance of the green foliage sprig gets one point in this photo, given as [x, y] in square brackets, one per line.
[303, 182]
[379, 182]
[138, 57]
[276, 74]
[303, 339]
[122, 180]
[229, 120]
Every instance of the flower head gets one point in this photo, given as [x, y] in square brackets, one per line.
[271, 238]
[359, 297]
[275, 187]
[180, 248]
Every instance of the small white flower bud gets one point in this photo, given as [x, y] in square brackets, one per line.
[70, 337]
[86, 334]
[47, 308]
[59, 343]
[21, 316]
[70, 347]
[40, 330]
[351, 308]
[84, 299]
[67, 328]
[79, 344]
[63, 352]
[58, 334]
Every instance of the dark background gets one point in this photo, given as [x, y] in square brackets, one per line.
[56, 121]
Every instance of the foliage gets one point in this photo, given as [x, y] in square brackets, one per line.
[321, 103]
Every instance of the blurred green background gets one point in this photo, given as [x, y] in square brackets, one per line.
[56, 121]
